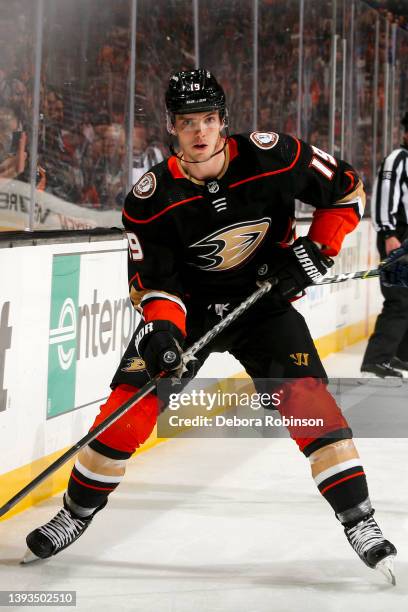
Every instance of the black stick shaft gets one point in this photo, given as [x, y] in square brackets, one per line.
[341, 278]
[77, 447]
[388, 261]
[145, 390]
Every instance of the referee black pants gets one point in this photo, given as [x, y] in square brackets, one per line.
[390, 337]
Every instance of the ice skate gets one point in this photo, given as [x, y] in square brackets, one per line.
[59, 533]
[380, 374]
[400, 366]
[369, 543]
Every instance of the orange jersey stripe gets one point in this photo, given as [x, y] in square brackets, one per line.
[136, 277]
[165, 310]
[159, 214]
[174, 168]
[258, 176]
[330, 227]
[352, 182]
[233, 148]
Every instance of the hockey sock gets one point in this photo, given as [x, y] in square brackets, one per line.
[92, 479]
[340, 478]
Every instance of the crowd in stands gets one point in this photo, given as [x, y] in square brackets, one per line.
[396, 11]
[85, 75]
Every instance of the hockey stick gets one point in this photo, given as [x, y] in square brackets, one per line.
[150, 386]
[139, 395]
[341, 278]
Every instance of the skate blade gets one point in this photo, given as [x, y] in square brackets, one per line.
[369, 379]
[403, 372]
[29, 557]
[386, 567]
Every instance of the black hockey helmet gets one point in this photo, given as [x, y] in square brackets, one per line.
[404, 121]
[194, 91]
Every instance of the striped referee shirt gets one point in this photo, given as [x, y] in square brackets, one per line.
[389, 203]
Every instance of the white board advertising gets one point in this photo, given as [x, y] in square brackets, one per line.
[65, 320]
[50, 211]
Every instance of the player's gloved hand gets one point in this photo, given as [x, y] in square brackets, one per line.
[159, 343]
[395, 272]
[296, 267]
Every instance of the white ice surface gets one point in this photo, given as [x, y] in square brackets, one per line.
[224, 525]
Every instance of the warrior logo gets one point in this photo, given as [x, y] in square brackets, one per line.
[300, 359]
[264, 140]
[145, 186]
[231, 246]
[307, 263]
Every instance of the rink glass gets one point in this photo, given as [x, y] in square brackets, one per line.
[78, 76]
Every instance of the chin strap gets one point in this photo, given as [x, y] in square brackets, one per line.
[185, 161]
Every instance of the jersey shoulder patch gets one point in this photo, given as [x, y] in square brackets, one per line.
[273, 150]
[264, 140]
[145, 186]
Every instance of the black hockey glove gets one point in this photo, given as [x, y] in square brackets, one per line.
[396, 274]
[159, 343]
[296, 267]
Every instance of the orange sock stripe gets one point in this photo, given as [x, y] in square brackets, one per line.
[90, 486]
[333, 484]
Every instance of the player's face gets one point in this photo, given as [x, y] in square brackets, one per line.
[198, 134]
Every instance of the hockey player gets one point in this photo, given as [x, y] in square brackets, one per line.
[204, 227]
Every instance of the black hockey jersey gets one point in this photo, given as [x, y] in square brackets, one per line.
[204, 240]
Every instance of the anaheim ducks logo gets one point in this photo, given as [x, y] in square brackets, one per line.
[232, 245]
[134, 364]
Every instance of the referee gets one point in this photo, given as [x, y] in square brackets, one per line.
[387, 350]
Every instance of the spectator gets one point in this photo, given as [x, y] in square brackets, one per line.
[12, 144]
[109, 180]
[145, 155]
[94, 58]
[57, 150]
[54, 108]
